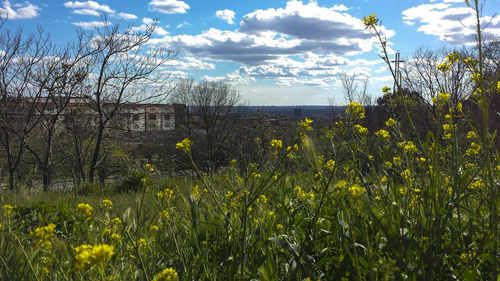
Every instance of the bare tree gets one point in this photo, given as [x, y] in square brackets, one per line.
[59, 77]
[20, 102]
[350, 84]
[124, 69]
[213, 104]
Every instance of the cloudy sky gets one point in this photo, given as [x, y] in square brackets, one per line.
[275, 52]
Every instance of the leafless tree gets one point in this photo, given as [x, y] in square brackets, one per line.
[59, 77]
[19, 101]
[123, 69]
[350, 84]
[421, 75]
[213, 105]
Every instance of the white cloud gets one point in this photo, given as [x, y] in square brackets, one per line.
[146, 22]
[189, 63]
[266, 35]
[127, 16]
[452, 24]
[89, 24]
[20, 11]
[92, 8]
[226, 15]
[169, 6]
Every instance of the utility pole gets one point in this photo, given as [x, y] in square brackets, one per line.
[397, 72]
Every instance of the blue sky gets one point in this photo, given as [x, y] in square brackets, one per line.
[275, 52]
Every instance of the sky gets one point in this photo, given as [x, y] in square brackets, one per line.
[274, 52]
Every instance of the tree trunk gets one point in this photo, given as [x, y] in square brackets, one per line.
[11, 179]
[97, 150]
[45, 178]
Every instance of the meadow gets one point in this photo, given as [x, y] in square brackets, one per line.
[346, 204]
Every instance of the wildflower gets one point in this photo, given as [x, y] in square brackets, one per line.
[167, 193]
[165, 214]
[318, 176]
[184, 145]
[279, 226]
[406, 175]
[233, 161]
[195, 192]
[383, 134]
[42, 235]
[410, 147]
[378, 198]
[386, 89]
[154, 228]
[498, 87]
[356, 190]
[306, 124]
[256, 175]
[444, 67]
[116, 221]
[7, 209]
[476, 185]
[168, 274]
[276, 143]
[229, 194]
[101, 253]
[84, 210]
[341, 184]
[271, 214]
[383, 179]
[388, 165]
[300, 192]
[142, 243]
[441, 98]
[330, 165]
[82, 256]
[421, 160]
[107, 203]
[150, 167]
[106, 231]
[390, 122]
[262, 198]
[471, 135]
[361, 130]
[453, 57]
[475, 76]
[396, 160]
[275, 177]
[468, 257]
[370, 21]
[355, 110]
[116, 237]
[473, 150]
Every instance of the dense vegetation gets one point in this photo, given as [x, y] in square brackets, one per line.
[336, 203]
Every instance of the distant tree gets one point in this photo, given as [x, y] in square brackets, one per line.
[123, 69]
[19, 101]
[59, 77]
[213, 105]
[350, 84]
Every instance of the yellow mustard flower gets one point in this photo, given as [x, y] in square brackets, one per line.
[355, 110]
[276, 143]
[370, 21]
[184, 145]
[84, 210]
[7, 208]
[168, 274]
[390, 122]
[107, 203]
[386, 89]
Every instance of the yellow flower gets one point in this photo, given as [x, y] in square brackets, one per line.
[386, 89]
[184, 145]
[300, 193]
[498, 87]
[150, 167]
[279, 226]
[83, 256]
[195, 192]
[306, 124]
[107, 231]
[167, 193]
[116, 236]
[444, 67]
[330, 165]
[361, 130]
[459, 107]
[107, 203]
[101, 253]
[406, 174]
[355, 110]
[41, 235]
[390, 122]
[168, 274]
[383, 134]
[356, 190]
[473, 150]
[276, 143]
[341, 184]
[388, 165]
[84, 210]
[233, 161]
[165, 214]
[396, 160]
[228, 194]
[441, 98]
[256, 175]
[154, 228]
[370, 21]
[142, 243]
[476, 185]
[262, 198]
[383, 179]
[116, 221]
[7, 209]
[471, 135]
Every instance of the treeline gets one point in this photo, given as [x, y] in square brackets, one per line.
[102, 69]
